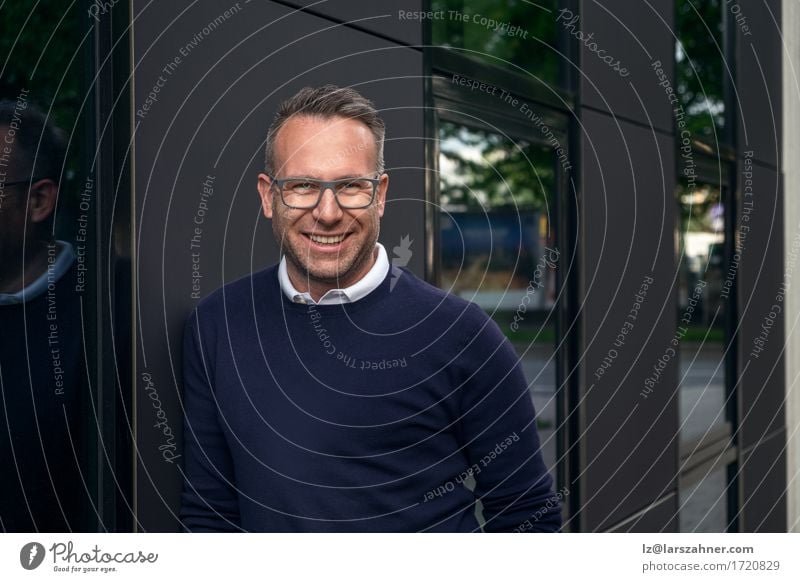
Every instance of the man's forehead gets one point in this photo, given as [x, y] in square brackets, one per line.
[339, 144]
[306, 127]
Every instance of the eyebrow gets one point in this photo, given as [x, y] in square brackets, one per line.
[312, 177]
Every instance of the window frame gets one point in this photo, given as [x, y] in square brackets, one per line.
[719, 447]
[446, 101]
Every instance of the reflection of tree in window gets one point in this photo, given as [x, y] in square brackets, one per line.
[46, 430]
[530, 51]
[44, 70]
[701, 209]
[699, 65]
[47, 58]
[703, 315]
[498, 247]
[483, 170]
[702, 238]
[497, 197]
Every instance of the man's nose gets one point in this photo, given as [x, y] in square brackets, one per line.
[328, 209]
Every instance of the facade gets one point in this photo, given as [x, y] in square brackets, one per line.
[605, 179]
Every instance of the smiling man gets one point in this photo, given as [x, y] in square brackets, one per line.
[330, 241]
[335, 392]
[42, 383]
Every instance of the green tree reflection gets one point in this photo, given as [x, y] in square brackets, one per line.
[459, 29]
[38, 42]
[484, 170]
[699, 65]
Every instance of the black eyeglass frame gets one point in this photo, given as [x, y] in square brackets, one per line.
[325, 185]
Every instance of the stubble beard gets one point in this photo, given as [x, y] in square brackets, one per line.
[345, 264]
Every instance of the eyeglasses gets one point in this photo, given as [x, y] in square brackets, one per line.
[305, 193]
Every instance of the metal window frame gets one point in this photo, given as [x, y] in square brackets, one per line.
[447, 101]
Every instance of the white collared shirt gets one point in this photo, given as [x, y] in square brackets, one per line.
[354, 292]
[57, 265]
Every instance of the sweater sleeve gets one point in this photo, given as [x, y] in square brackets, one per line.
[499, 435]
[209, 501]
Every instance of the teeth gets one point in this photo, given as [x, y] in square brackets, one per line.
[327, 240]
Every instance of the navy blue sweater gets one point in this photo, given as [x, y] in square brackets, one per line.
[369, 416]
[42, 393]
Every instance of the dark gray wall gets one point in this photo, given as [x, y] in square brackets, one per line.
[629, 459]
[636, 34]
[763, 499]
[758, 80]
[762, 419]
[661, 516]
[210, 119]
[761, 275]
[628, 463]
[628, 232]
[389, 18]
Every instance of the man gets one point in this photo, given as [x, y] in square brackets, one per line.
[41, 357]
[333, 392]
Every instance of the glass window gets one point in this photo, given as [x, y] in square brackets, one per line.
[498, 247]
[46, 201]
[703, 506]
[516, 31]
[700, 67]
[703, 290]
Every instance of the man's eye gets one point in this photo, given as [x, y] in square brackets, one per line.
[355, 186]
[302, 187]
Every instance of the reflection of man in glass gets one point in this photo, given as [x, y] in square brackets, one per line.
[40, 331]
[338, 392]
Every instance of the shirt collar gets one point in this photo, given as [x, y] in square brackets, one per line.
[58, 263]
[354, 292]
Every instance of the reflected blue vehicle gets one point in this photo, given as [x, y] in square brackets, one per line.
[492, 258]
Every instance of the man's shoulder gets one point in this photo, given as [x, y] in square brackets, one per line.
[431, 299]
[453, 320]
[240, 292]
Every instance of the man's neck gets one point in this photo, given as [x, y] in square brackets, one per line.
[17, 274]
[304, 283]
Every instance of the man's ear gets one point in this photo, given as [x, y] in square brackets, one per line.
[42, 199]
[265, 191]
[380, 194]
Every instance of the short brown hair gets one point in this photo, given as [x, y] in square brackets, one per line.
[40, 146]
[326, 102]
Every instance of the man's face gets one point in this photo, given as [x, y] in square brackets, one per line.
[24, 208]
[325, 149]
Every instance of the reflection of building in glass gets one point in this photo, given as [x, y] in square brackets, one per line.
[702, 236]
[498, 246]
[496, 225]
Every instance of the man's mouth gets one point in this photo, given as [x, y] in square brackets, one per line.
[327, 240]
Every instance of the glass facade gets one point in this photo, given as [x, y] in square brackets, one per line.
[486, 117]
[499, 249]
[527, 43]
[704, 505]
[706, 295]
[702, 68]
[702, 311]
[47, 190]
